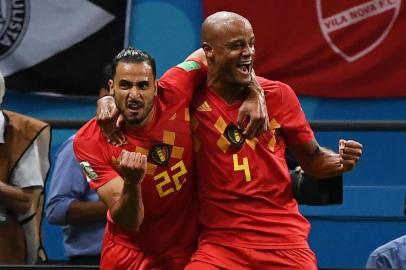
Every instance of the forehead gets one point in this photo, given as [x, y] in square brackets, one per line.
[126, 70]
[234, 29]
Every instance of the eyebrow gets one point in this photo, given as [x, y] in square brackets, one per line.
[129, 81]
[241, 39]
[125, 81]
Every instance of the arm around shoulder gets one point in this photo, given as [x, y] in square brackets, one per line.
[198, 55]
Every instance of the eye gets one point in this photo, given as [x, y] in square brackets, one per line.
[237, 46]
[125, 85]
[143, 85]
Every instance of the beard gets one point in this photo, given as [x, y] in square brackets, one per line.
[138, 119]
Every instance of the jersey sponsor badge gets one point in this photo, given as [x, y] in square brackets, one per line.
[88, 171]
[234, 136]
[160, 154]
[189, 65]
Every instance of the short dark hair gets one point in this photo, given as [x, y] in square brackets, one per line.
[133, 55]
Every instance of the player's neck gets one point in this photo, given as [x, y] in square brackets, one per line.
[227, 91]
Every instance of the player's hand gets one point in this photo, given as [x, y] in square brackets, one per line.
[110, 120]
[253, 114]
[350, 152]
[132, 166]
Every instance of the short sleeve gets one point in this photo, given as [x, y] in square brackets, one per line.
[92, 153]
[295, 125]
[184, 78]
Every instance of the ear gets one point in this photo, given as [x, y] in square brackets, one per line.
[156, 88]
[208, 50]
[111, 86]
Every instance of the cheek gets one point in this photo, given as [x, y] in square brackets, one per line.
[120, 97]
[148, 96]
[151, 96]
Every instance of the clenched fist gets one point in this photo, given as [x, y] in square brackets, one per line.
[110, 120]
[350, 152]
[132, 166]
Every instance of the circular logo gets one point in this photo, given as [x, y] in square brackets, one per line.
[14, 18]
[234, 136]
[160, 154]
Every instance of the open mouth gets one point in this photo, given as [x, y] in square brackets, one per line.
[244, 67]
[135, 105]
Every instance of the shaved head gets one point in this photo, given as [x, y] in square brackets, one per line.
[228, 42]
[217, 23]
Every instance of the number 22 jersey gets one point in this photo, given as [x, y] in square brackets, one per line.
[168, 188]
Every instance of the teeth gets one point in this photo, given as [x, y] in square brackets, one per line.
[244, 66]
[134, 105]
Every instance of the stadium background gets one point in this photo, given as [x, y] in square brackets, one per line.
[374, 194]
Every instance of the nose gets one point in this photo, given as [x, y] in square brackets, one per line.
[248, 50]
[134, 92]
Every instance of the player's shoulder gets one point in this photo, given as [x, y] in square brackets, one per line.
[187, 66]
[88, 133]
[276, 92]
[274, 87]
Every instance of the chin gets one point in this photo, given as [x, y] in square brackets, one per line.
[134, 120]
[244, 82]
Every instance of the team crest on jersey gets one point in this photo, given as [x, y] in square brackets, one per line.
[234, 136]
[339, 24]
[160, 154]
[14, 18]
[88, 171]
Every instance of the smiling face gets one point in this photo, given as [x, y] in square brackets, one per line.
[134, 89]
[231, 50]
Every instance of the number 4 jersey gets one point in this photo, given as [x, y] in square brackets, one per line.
[244, 185]
[168, 189]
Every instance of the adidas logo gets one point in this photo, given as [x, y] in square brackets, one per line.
[204, 107]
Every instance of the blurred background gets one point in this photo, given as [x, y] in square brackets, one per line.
[346, 61]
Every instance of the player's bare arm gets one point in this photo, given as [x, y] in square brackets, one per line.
[253, 113]
[198, 55]
[321, 163]
[122, 195]
[109, 120]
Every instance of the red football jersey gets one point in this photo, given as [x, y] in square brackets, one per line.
[168, 189]
[245, 192]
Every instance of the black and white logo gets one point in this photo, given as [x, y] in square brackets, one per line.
[14, 18]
